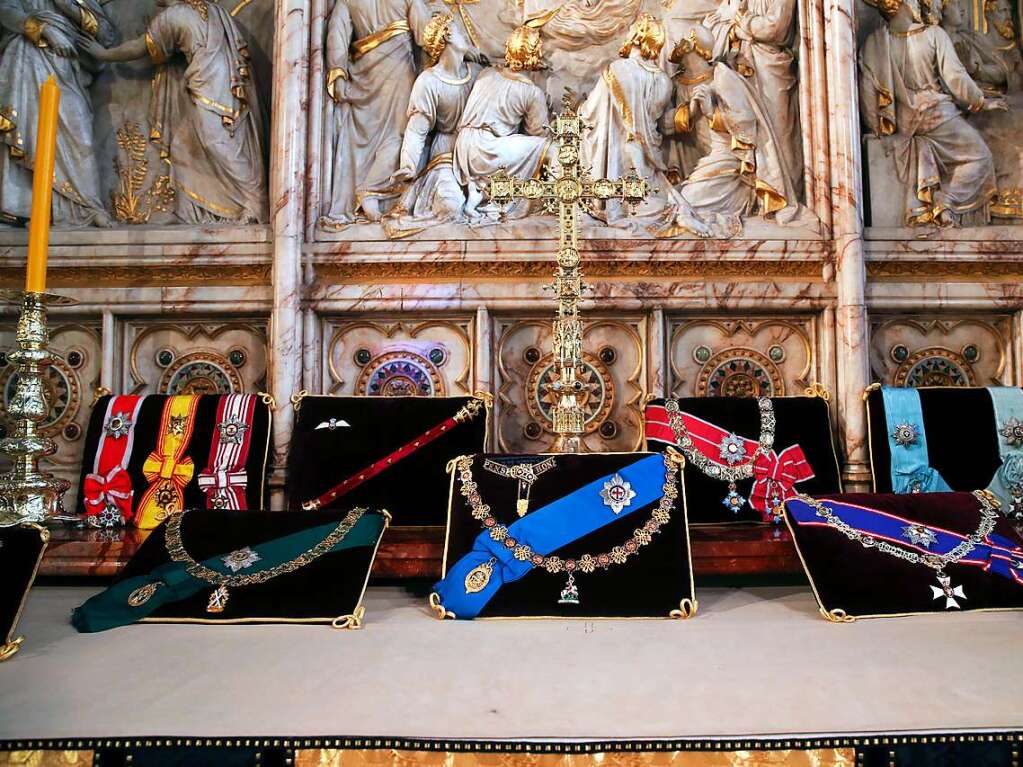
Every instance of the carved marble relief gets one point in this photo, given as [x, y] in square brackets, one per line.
[420, 358]
[615, 373]
[941, 88]
[214, 357]
[424, 101]
[178, 136]
[931, 351]
[762, 357]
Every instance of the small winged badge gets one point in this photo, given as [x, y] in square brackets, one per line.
[333, 424]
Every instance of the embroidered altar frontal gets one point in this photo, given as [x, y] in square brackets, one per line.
[148, 456]
[385, 452]
[591, 535]
[870, 555]
[245, 567]
[948, 438]
[745, 456]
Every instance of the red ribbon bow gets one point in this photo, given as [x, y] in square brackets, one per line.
[112, 490]
[775, 475]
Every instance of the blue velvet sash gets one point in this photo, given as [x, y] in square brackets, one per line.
[995, 553]
[546, 530]
[1007, 482]
[910, 466]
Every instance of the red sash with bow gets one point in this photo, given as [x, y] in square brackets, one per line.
[224, 480]
[107, 491]
[774, 474]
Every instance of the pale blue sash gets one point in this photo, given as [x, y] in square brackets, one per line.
[910, 466]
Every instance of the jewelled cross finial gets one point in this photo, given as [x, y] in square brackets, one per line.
[562, 192]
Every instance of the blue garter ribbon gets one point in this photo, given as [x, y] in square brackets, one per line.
[546, 530]
[1007, 483]
[995, 554]
[910, 466]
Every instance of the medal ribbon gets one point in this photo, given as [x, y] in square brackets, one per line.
[168, 469]
[466, 413]
[997, 554]
[171, 582]
[546, 530]
[109, 484]
[1007, 483]
[911, 465]
[774, 474]
[224, 480]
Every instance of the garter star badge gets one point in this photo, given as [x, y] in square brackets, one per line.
[241, 559]
[117, 426]
[232, 431]
[732, 449]
[1012, 432]
[948, 591]
[905, 434]
[919, 535]
[617, 493]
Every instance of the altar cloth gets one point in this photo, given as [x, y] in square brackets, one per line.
[755, 662]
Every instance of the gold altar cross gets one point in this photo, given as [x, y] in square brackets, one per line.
[562, 194]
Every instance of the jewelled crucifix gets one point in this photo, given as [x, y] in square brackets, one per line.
[562, 194]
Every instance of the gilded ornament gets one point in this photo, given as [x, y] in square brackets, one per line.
[479, 577]
[143, 594]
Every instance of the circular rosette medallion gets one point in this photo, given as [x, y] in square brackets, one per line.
[935, 367]
[739, 373]
[400, 374]
[60, 389]
[204, 372]
[597, 383]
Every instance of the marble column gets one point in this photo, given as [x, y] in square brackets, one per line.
[287, 174]
[852, 350]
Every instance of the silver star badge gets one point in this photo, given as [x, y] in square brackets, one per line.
[617, 493]
[919, 535]
[905, 434]
[948, 592]
[332, 424]
[232, 431]
[733, 449]
[241, 559]
[118, 425]
[1012, 432]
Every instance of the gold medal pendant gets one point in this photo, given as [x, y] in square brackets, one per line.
[479, 577]
[142, 594]
[218, 600]
[522, 506]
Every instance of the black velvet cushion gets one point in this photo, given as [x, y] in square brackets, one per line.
[329, 586]
[962, 441]
[803, 421]
[415, 489]
[21, 551]
[147, 430]
[651, 583]
[862, 582]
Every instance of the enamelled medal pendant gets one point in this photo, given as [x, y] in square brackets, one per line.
[218, 600]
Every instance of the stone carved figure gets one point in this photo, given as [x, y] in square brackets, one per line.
[504, 124]
[433, 195]
[744, 171]
[913, 90]
[623, 114]
[41, 38]
[204, 116]
[371, 68]
[688, 139]
[755, 37]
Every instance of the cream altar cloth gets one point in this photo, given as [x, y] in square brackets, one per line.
[756, 661]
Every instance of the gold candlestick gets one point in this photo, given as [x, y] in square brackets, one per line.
[26, 493]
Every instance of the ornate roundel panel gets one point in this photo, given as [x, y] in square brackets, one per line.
[203, 372]
[935, 366]
[400, 374]
[60, 388]
[595, 377]
[739, 373]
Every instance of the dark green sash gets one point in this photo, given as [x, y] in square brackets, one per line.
[173, 583]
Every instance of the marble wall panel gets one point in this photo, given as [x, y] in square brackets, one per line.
[744, 357]
[945, 350]
[428, 356]
[193, 356]
[616, 371]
